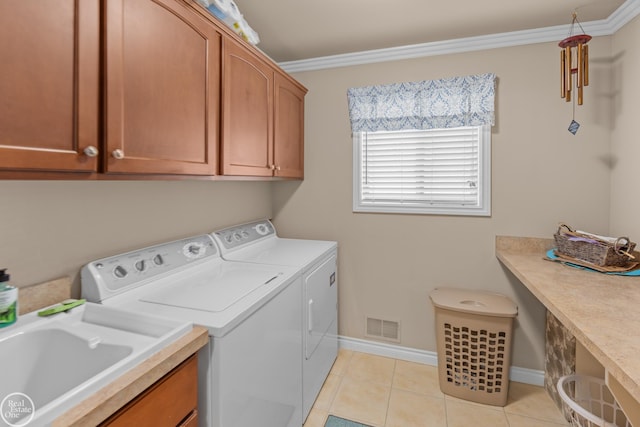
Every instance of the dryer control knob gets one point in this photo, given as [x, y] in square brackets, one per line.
[262, 229]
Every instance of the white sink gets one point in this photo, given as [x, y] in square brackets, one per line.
[59, 360]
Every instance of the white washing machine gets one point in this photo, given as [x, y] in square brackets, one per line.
[258, 243]
[250, 374]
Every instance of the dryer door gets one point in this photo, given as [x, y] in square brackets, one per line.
[321, 292]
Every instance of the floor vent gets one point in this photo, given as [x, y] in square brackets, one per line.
[383, 329]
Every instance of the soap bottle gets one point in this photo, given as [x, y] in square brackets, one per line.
[8, 301]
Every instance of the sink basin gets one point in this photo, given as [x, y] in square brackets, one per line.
[54, 362]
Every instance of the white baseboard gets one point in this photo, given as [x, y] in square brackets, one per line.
[521, 375]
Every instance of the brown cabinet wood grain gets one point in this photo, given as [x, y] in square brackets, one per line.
[49, 86]
[262, 117]
[162, 89]
[140, 88]
[170, 402]
[289, 128]
[247, 114]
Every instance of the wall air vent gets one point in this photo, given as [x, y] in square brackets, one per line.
[388, 330]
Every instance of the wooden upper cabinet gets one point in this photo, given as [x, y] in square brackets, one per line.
[162, 89]
[49, 84]
[262, 117]
[289, 128]
[140, 87]
[247, 113]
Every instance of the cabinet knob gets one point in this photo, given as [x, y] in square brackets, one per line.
[117, 154]
[90, 151]
[272, 167]
[277, 168]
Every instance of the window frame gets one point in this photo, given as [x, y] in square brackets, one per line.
[483, 208]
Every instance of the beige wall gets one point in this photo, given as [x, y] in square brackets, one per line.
[388, 263]
[625, 142]
[541, 175]
[49, 229]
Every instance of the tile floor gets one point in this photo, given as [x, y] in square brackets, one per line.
[384, 392]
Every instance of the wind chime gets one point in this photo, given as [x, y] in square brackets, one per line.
[574, 59]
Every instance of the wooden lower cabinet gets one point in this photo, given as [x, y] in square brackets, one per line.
[171, 402]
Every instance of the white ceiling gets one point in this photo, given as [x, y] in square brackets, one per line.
[292, 30]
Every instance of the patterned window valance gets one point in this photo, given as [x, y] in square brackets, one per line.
[429, 104]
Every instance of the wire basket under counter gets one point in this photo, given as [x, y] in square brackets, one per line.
[590, 402]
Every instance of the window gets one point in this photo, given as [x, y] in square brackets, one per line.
[432, 171]
[423, 147]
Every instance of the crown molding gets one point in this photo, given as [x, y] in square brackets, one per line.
[605, 27]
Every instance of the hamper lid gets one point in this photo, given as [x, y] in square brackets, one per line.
[475, 302]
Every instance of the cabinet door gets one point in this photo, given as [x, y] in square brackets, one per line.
[247, 121]
[49, 70]
[172, 401]
[162, 89]
[289, 128]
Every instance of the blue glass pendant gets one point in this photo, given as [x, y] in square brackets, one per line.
[573, 127]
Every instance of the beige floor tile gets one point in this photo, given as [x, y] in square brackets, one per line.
[532, 401]
[384, 392]
[407, 409]
[362, 401]
[316, 418]
[462, 414]
[342, 361]
[327, 392]
[471, 402]
[522, 421]
[368, 367]
[417, 377]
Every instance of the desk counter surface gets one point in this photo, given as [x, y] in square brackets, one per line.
[602, 311]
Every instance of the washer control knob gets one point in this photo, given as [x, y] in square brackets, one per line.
[194, 250]
[120, 272]
[158, 260]
[141, 265]
[237, 237]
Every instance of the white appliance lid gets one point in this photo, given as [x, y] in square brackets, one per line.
[217, 290]
[282, 251]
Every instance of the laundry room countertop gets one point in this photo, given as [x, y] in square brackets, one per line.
[102, 404]
[602, 311]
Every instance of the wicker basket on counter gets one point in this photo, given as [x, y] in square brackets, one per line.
[592, 248]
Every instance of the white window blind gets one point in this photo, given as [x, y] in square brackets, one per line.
[442, 171]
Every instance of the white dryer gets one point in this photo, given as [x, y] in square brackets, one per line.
[258, 243]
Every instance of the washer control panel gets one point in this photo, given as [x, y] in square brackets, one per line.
[119, 272]
[239, 235]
